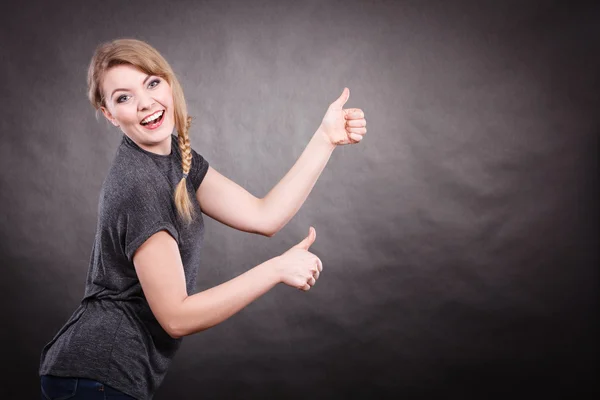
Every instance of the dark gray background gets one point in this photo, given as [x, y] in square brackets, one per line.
[459, 239]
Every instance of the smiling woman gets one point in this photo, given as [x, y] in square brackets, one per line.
[139, 296]
[113, 338]
[139, 110]
[129, 81]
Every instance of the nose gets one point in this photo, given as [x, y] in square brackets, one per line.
[145, 101]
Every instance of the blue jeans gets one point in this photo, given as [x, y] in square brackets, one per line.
[62, 388]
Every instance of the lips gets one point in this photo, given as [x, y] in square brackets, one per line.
[154, 124]
[149, 115]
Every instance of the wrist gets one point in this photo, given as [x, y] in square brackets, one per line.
[323, 138]
[270, 269]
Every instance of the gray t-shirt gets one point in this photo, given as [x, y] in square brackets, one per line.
[113, 336]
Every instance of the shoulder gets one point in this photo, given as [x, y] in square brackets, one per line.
[133, 178]
[199, 169]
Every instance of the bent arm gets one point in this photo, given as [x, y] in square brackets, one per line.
[160, 271]
[212, 306]
[285, 199]
[227, 202]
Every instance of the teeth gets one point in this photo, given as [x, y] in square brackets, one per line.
[152, 117]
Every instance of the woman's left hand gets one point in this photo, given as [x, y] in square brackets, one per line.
[343, 126]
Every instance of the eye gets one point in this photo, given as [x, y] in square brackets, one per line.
[157, 81]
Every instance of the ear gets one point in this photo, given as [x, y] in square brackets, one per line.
[109, 116]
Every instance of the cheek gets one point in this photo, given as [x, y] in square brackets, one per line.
[129, 117]
[167, 97]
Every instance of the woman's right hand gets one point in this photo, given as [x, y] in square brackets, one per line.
[298, 267]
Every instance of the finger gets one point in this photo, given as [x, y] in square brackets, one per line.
[339, 103]
[319, 264]
[356, 137]
[312, 235]
[306, 287]
[354, 113]
[309, 240]
[315, 271]
[360, 131]
[356, 123]
[311, 281]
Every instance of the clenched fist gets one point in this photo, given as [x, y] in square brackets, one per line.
[343, 125]
[298, 267]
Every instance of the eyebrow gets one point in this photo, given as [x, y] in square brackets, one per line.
[116, 90]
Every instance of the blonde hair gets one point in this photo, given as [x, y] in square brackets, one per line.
[148, 60]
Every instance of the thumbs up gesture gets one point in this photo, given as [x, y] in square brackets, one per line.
[343, 125]
[298, 267]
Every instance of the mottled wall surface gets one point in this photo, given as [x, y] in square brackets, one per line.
[459, 238]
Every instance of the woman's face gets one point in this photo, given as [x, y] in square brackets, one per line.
[130, 97]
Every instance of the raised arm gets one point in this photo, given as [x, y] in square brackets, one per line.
[284, 200]
[339, 126]
[229, 203]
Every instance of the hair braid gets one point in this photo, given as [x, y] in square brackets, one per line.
[185, 147]
[182, 199]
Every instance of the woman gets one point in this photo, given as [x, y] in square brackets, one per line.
[136, 308]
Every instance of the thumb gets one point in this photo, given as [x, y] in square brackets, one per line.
[309, 240]
[342, 99]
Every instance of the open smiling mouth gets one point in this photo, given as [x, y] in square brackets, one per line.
[154, 123]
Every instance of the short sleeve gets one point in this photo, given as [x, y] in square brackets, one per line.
[199, 169]
[143, 213]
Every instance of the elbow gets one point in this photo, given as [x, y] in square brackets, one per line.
[174, 327]
[175, 335]
[270, 229]
[270, 232]
[265, 223]
[178, 327]
[174, 330]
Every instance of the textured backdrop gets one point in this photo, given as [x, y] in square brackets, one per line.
[459, 238]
